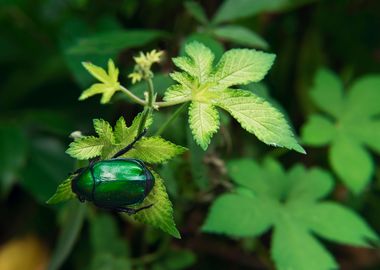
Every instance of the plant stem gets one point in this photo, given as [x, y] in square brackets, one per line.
[161, 104]
[171, 119]
[148, 105]
[132, 96]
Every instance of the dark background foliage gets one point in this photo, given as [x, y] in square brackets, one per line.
[41, 46]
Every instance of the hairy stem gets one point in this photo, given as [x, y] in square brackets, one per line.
[171, 119]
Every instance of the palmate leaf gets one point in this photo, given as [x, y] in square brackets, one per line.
[207, 87]
[292, 204]
[149, 149]
[109, 81]
[355, 124]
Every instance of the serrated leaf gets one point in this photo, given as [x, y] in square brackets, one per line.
[257, 116]
[160, 215]
[240, 35]
[352, 163]
[207, 87]
[85, 148]
[197, 11]
[204, 122]
[238, 215]
[242, 66]
[104, 130]
[109, 80]
[318, 131]
[177, 92]
[155, 150]
[202, 59]
[63, 193]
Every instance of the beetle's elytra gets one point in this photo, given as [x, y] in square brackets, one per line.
[115, 183]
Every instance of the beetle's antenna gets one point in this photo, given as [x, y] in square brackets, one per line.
[129, 147]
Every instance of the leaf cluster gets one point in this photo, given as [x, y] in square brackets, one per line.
[209, 87]
[292, 204]
[349, 124]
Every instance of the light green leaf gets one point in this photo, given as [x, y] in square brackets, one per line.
[104, 130]
[242, 66]
[202, 59]
[160, 215]
[121, 131]
[308, 185]
[352, 163]
[197, 11]
[238, 215]
[257, 116]
[327, 92]
[204, 122]
[177, 92]
[109, 84]
[340, 224]
[183, 79]
[155, 150]
[363, 97]
[85, 148]
[294, 248]
[63, 193]
[241, 35]
[318, 131]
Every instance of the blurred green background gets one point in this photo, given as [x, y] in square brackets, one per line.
[42, 44]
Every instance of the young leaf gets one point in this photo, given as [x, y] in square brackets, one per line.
[242, 66]
[291, 203]
[160, 214]
[109, 85]
[85, 148]
[204, 122]
[354, 126]
[207, 87]
[155, 150]
[257, 116]
[63, 193]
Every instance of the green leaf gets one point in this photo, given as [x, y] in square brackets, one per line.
[294, 248]
[207, 87]
[240, 35]
[70, 230]
[355, 125]
[257, 116]
[197, 11]
[109, 85]
[204, 122]
[293, 204]
[352, 163]
[160, 215]
[340, 224]
[327, 92]
[63, 192]
[85, 148]
[318, 131]
[242, 66]
[239, 216]
[202, 59]
[155, 150]
[363, 97]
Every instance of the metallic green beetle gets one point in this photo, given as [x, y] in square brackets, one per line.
[115, 183]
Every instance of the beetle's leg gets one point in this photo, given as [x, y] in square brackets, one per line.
[129, 147]
[131, 211]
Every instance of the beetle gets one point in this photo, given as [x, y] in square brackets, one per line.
[115, 183]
